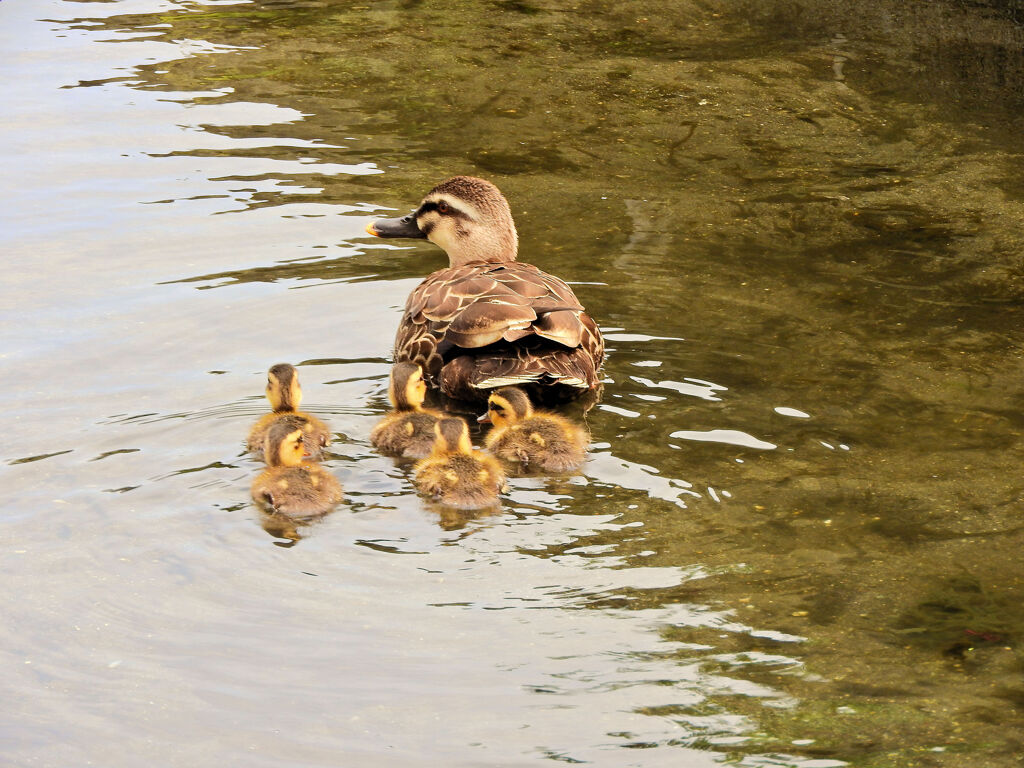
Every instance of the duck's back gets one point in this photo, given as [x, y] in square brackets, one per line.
[495, 325]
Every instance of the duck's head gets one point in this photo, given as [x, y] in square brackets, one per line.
[467, 217]
[451, 435]
[283, 446]
[283, 390]
[407, 390]
[507, 406]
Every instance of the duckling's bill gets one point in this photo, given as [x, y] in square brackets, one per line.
[404, 226]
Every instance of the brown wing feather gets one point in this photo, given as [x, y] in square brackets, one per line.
[511, 305]
[485, 322]
[562, 326]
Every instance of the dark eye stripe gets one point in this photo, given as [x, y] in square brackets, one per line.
[440, 206]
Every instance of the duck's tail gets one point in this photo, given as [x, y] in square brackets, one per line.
[554, 373]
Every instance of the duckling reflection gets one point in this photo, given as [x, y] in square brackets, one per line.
[487, 320]
[408, 430]
[281, 527]
[289, 486]
[454, 474]
[534, 440]
[285, 396]
[455, 519]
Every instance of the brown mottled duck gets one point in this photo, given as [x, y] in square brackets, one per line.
[487, 320]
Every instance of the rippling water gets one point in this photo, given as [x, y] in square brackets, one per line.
[797, 539]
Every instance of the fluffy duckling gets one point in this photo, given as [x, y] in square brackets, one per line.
[408, 431]
[290, 486]
[455, 474]
[534, 439]
[488, 320]
[285, 396]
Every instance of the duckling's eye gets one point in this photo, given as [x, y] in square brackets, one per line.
[443, 207]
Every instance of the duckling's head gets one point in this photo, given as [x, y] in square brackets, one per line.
[451, 435]
[507, 406]
[467, 217]
[283, 390]
[408, 389]
[283, 446]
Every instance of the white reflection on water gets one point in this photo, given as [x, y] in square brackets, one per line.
[729, 436]
[618, 472]
[795, 413]
[705, 390]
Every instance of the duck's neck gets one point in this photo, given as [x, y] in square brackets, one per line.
[491, 245]
[475, 255]
[404, 405]
[287, 403]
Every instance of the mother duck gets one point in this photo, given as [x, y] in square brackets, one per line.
[487, 320]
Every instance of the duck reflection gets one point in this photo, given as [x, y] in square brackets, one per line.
[286, 529]
[453, 518]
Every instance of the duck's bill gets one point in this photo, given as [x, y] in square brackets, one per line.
[403, 227]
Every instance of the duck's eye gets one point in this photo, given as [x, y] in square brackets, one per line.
[443, 207]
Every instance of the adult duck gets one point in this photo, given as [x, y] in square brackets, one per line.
[487, 320]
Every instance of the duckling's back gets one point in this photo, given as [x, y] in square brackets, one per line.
[461, 480]
[297, 491]
[545, 442]
[409, 434]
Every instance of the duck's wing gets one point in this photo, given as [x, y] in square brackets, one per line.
[478, 305]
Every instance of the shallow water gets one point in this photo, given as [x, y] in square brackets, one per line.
[797, 540]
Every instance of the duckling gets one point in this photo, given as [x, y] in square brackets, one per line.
[535, 439]
[408, 431]
[454, 473]
[289, 486]
[285, 396]
[489, 321]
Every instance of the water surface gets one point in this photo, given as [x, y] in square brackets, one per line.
[796, 542]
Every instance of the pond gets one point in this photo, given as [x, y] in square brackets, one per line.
[796, 540]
